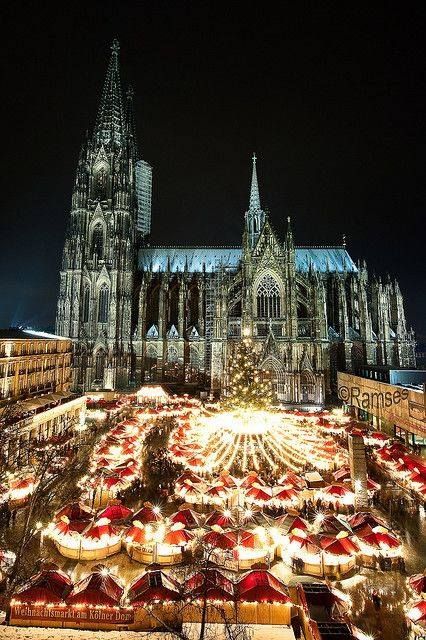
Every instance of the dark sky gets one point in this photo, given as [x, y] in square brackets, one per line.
[332, 100]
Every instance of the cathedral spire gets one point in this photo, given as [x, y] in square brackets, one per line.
[255, 217]
[254, 190]
[110, 121]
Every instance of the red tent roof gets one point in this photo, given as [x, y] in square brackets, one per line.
[261, 586]
[308, 543]
[196, 461]
[24, 483]
[130, 422]
[49, 585]
[75, 511]
[210, 584]
[111, 481]
[65, 526]
[414, 463]
[102, 463]
[223, 519]
[137, 533]
[188, 517]
[336, 491]
[220, 539]
[148, 513]
[342, 474]
[217, 491]
[285, 494]
[250, 479]
[418, 582]
[417, 613]
[292, 478]
[288, 522]
[372, 485]
[380, 540]
[228, 480]
[333, 524]
[362, 518]
[98, 588]
[259, 493]
[379, 435]
[343, 546]
[116, 512]
[129, 463]
[189, 475]
[178, 537]
[100, 528]
[153, 585]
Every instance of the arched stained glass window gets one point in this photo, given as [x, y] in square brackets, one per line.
[268, 298]
[103, 304]
[86, 303]
[98, 241]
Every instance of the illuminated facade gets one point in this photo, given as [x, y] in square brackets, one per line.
[139, 313]
[31, 364]
[36, 403]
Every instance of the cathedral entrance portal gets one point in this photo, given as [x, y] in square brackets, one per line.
[308, 390]
[272, 370]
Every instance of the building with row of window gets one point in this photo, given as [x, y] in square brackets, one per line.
[33, 364]
[138, 312]
[37, 405]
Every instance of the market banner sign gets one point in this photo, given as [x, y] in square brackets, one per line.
[25, 612]
[399, 405]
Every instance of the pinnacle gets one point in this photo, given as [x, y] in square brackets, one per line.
[254, 190]
[110, 120]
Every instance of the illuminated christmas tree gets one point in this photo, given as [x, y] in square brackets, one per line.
[248, 388]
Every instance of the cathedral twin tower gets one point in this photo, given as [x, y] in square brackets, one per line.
[139, 313]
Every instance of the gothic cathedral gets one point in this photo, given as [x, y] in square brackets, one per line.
[140, 313]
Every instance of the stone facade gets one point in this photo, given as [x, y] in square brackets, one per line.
[37, 406]
[32, 364]
[139, 313]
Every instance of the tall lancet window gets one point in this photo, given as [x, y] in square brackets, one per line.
[98, 241]
[86, 303]
[100, 184]
[103, 304]
[268, 298]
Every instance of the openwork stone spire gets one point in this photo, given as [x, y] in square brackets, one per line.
[254, 190]
[255, 217]
[110, 121]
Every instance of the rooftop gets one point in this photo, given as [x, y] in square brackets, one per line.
[198, 259]
[16, 333]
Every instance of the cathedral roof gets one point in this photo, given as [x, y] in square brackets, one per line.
[324, 259]
[190, 259]
[193, 259]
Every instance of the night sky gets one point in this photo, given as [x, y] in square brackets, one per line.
[332, 101]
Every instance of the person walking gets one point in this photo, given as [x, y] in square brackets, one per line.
[377, 601]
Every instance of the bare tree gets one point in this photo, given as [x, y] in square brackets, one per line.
[55, 483]
[199, 562]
